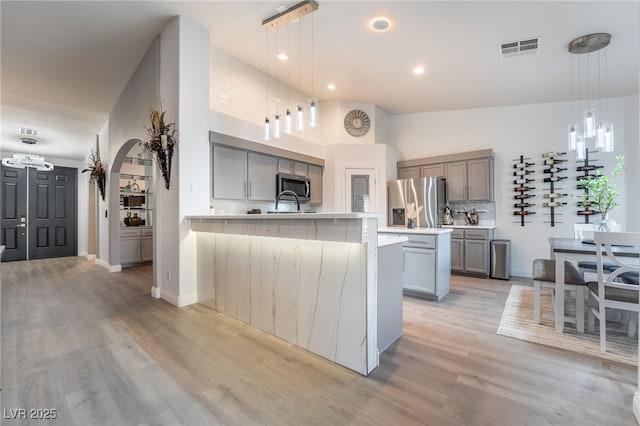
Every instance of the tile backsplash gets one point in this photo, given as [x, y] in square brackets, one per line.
[486, 211]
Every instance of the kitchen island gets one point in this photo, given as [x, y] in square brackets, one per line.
[310, 279]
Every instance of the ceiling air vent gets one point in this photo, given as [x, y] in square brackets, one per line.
[28, 132]
[518, 48]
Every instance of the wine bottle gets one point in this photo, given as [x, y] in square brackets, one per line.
[584, 203]
[524, 188]
[523, 205]
[522, 181]
[552, 161]
[523, 213]
[523, 196]
[552, 154]
[586, 212]
[553, 204]
[586, 177]
[523, 165]
[554, 170]
[523, 172]
[553, 195]
[554, 178]
[588, 168]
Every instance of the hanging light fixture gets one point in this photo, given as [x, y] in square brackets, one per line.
[591, 129]
[22, 161]
[285, 17]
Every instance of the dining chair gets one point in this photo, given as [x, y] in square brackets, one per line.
[585, 231]
[544, 275]
[618, 289]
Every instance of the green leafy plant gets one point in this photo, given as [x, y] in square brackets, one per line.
[601, 191]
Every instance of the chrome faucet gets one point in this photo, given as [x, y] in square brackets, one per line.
[287, 192]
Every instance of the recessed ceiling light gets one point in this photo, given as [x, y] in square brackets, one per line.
[418, 70]
[331, 86]
[380, 24]
[283, 56]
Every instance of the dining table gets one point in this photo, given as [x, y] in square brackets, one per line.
[575, 250]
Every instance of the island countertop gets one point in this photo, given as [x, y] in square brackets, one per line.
[283, 215]
[424, 231]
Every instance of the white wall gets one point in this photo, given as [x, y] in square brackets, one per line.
[529, 130]
[632, 159]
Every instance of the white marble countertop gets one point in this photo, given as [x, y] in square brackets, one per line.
[387, 240]
[425, 231]
[280, 216]
[469, 226]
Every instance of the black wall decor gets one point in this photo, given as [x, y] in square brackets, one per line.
[553, 163]
[586, 171]
[522, 179]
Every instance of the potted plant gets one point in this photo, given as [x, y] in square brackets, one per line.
[161, 140]
[601, 192]
[412, 214]
[98, 171]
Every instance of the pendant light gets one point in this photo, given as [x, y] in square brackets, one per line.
[600, 131]
[285, 17]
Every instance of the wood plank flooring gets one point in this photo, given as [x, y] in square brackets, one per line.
[97, 348]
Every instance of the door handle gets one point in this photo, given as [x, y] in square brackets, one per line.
[22, 225]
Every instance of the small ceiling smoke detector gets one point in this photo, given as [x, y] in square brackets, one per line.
[28, 132]
[522, 47]
[29, 141]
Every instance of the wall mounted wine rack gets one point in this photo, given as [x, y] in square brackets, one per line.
[552, 169]
[585, 172]
[521, 179]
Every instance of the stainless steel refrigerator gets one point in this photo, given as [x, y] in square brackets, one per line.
[428, 193]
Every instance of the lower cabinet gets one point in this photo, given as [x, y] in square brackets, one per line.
[470, 251]
[136, 245]
[426, 264]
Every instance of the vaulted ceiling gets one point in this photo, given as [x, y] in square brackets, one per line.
[64, 64]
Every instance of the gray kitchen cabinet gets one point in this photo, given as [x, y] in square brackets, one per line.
[229, 173]
[300, 169]
[409, 172]
[480, 177]
[457, 181]
[261, 172]
[457, 253]
[136, 245]
[285, 166]
[470, 251]
[419, 269]
[426, 260]
[315, 178]
[432, 170]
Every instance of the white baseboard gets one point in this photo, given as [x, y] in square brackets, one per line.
[83, 254]
[156, 293]
[636, 405]
[110, 268]
[176, 300]
[91, 257]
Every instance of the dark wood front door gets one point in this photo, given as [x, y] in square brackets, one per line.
[14, 213]
[39, 211]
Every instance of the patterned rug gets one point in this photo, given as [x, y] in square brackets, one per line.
[517, 322]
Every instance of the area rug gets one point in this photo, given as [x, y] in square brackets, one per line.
[517, 322]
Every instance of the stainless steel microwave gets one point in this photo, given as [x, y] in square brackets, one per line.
[300, 185]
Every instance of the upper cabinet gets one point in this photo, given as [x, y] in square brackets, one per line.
[244, 170]
[469, 174]
[262, 177]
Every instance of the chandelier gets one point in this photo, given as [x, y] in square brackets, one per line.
[21, 161]
[591, 129]
[272, 121]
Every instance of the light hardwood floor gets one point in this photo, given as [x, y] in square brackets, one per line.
[96, 347]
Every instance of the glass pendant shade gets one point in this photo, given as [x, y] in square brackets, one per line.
[600, 128]
[590, 123]
[287, 122]
[572, 138]
[299, 119]
[313, 112]
[276, 126]
[580, 149]
[608, 139]
[267, 131]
